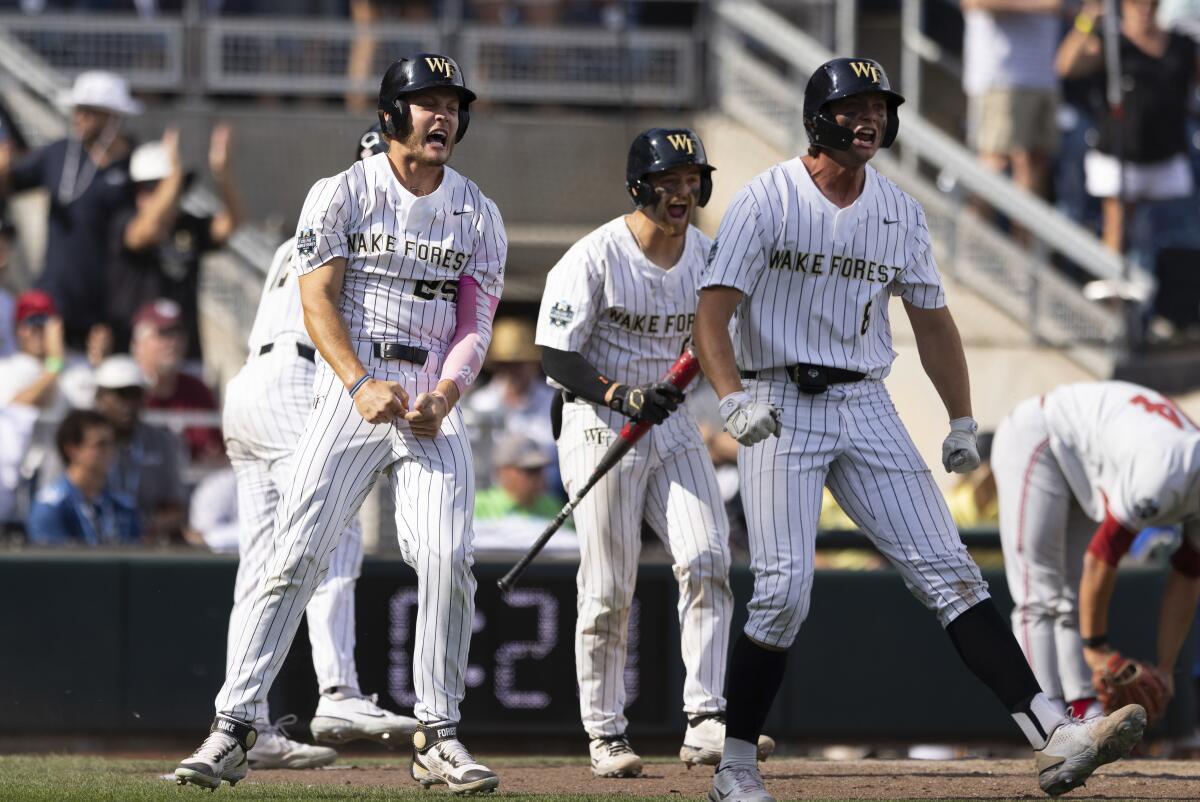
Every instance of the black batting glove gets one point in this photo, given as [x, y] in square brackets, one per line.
[651, 402]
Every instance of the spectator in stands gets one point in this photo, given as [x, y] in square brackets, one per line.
[147, 466]
[159, 345]
[360, 65]
[213, 512]
[516, 398]
[38, 373]
[8, 304]
[81, 507]
[516, 508]
[1012, 91]
[157, 246]
[1142, 155]
[87, 176]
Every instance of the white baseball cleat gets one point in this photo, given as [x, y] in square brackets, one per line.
[275, 750]
[439, 757]
[340, 720]
[739, 784]
[704, 741]
[222, 756]
[612, 756]
[1078, 747]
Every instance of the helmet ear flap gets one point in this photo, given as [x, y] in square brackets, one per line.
[893, 126]
[464, 119]
[706, 187]
[642, 192]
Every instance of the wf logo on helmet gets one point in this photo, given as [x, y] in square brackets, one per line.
[682, 142]
[445, 66]
[865, 69]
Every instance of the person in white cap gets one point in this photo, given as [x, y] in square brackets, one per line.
[157, 246]
[87, 176]
[147, 467]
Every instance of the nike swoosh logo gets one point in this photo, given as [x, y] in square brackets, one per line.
[890, 222]
[464, 211]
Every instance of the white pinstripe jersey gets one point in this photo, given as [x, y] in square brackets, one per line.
[816, 278]
[280, 315]
[624, 314]
[1126, 447]
[405, 254]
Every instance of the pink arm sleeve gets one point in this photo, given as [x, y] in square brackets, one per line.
[472, 334]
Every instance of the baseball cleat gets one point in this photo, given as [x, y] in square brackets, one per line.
[273, 749]
[612, 756]
[704, 741]
[440, 758]
[1077, 748]
[739, 784]
[340, 720]
[222, 756]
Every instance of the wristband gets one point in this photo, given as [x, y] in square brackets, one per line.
[354, 388]
[54, 364]
[1085, 24]
[1096, 641]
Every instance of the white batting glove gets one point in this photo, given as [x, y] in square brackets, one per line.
[747, 420]
[960, 451]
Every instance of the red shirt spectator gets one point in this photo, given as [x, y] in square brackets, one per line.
[159, 346]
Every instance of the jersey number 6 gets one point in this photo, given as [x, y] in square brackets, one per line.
[866, 318]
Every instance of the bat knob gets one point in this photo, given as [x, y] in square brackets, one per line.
[504, 585]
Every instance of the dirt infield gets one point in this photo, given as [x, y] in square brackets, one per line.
[800, 779]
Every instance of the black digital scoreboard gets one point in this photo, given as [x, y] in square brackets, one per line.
[520, 675]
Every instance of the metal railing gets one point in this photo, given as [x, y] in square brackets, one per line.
[763, 62]
[610, 63]
[149, 53]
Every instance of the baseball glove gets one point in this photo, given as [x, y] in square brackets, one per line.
[1122, 681]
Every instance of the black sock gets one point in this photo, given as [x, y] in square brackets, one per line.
[987, 646]
[755, 675]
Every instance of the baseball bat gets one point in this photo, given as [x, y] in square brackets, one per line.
[686, 368]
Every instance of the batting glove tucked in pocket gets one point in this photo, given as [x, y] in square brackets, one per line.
[960, 451]
[747, 420]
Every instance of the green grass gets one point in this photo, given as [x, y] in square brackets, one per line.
[66, 778]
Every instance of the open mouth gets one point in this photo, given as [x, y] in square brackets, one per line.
[439, 138]
[865, 135]
[678, 212]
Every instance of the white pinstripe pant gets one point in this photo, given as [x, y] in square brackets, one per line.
[266, 406]
[675, 489]
[851, 437]
[336, 463]
[1044, 533]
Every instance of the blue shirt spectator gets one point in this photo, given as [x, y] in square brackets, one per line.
[80, 507]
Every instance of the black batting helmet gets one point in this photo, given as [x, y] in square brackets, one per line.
[370, 143]
[839, 78]
[413, 74]
[659, 149]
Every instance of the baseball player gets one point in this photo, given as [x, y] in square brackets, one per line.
[401, 263]
[807, 257]
[1108, 453]
[616, 313]
[266, 406]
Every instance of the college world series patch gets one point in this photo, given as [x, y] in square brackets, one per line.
[306, 243]
[561, 314]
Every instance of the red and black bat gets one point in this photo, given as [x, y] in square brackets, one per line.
[686, 368]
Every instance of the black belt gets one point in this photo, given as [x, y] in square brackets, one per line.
[401, 351]
[813, 379]
[303, 351]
